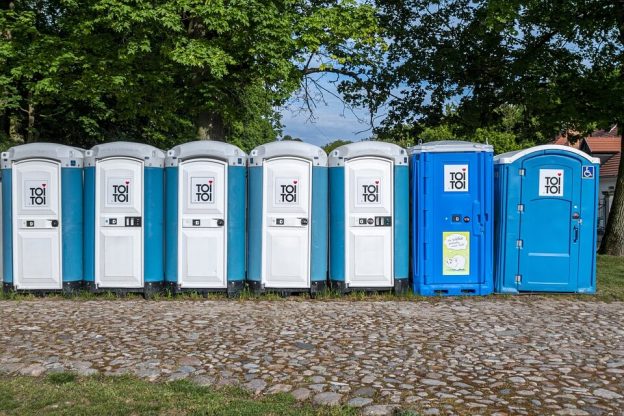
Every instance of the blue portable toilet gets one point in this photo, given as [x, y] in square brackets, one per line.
[42, 217]
[451, 195]
[546, 218]
[124, 206]
[205, 187]
[369, 217]
[287, 243]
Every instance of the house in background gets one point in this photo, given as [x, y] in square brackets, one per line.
[605, 145]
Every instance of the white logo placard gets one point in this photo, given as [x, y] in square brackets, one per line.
[202, 190]
[118, 191]
[287, 191]
[36, 193]
[551, 182]
[455, 178]
[368, 190]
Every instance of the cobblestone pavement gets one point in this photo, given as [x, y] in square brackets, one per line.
[525, 355]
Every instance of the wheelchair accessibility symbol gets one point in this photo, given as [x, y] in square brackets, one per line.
[588, 172]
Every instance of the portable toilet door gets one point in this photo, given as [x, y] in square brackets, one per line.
[206, 184]
[452, 223]
[42, 217]
[287, 217]
[124, 218]
[368, 200]
[547, 215]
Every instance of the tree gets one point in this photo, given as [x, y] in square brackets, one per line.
[559, 62]
[166, 71]
[329, 147]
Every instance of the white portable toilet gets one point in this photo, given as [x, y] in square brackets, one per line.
[369, 217]
[205, 188]
[287, 242]
[124, 204]
[42, 217]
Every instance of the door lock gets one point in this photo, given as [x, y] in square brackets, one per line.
[55, 223]
[220, 222]
[576, 216]
[304, 221]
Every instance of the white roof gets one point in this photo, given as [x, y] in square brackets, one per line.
[149, 154]
[368, 149]
[451, 146]
[40, 150]
[207, 149]
[510, 157]
[288, 148]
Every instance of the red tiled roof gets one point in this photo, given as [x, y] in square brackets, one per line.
[603, 144]
[563, 140]
[611, 132]
[610, 167]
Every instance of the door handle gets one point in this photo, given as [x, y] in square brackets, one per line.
[304, 221]
[54, 223]
[220, 222]
[576, 234]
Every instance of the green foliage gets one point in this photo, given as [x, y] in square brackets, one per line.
[329, 147]
[160, 71]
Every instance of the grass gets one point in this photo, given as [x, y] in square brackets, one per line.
[610, 276]
[66, 394]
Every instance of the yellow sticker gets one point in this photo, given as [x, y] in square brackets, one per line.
[456, 253]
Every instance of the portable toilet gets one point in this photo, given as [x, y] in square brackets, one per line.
[368, 217]
[124, 218]
[42, 217]
[451, 191]
[287, 244]
[205, 187]
[546, 216]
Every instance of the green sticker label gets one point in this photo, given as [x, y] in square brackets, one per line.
[456, 253]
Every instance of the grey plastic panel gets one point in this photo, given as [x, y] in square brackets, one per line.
[451, 146]
[69, 157]
[368, 148]
[510, 157]
[150, 155]
[211, 149]
[288, 148]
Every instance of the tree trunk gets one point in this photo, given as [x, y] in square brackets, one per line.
[210, 126]
[30, 131]
[14, 129]
[613, 239]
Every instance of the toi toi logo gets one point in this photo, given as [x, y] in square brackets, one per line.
[288, 192]
[552, 185]
[456, 178]
[370, 192]
[551, 182]
[121, 192]
[38, 195]
[202, 190]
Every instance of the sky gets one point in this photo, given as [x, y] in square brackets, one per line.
[331, 120]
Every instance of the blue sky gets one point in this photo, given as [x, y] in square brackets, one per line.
[331, 120]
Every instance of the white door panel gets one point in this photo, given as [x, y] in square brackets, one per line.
[202, 231]
[286, 219]
[370, 222]
[37, 227]
[119, 225]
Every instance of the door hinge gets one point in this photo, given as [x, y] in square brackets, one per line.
[519, 243]
[518, 278]
[520, 207]
[522, 172]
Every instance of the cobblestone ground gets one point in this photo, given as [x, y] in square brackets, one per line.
[522, 355]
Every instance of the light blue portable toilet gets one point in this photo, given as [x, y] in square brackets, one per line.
[42, 217]
[205, 189]
[124, 205]
[369, 217]
[452, 225]
[287, 244]
[546, 220]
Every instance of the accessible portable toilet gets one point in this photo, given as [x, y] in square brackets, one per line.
[205, 186]
[287, 244]
[546, 216]
[42, 217]
[451, 196]
[369, 217]
[124, 207]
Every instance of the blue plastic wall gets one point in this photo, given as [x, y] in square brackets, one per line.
[7, 225]
[171, 226]
[337, 235]
[513, 189]
[236, 226]
[153, 237]
[432, 211]
[254, 238]
[319, 224]
[71, 224]
[89, 224]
